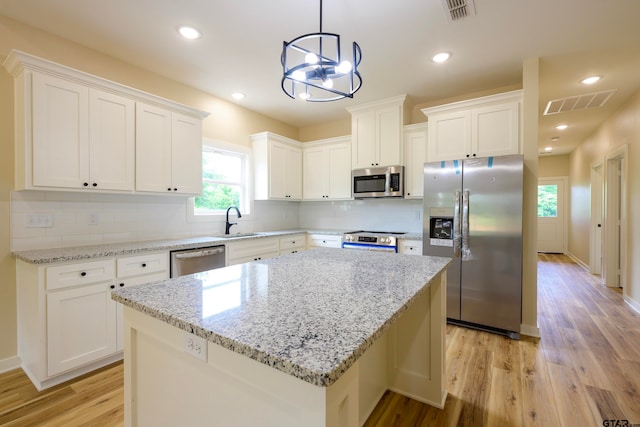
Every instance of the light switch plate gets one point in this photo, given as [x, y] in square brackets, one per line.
[43, 220]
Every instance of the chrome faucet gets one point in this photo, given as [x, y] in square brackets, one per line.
[229, 224]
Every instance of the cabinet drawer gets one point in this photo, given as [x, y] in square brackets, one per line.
[250, 258]
[254, 247]
[290, 242]
[323, 240]
[65, 276]
[142, 264]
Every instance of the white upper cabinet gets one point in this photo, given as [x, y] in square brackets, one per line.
[168, 151]
[112, 141]
[277, 163]
[326, 169]
[75, 131]
[153, 149]
[377, 133]
[60, 132]
[481, 127]
[415, 150]
[82, 137]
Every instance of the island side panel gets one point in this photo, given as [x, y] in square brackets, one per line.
[166, 386]
[416, 347]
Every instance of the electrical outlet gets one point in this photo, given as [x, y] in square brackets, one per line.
[93, 219]
[195, 346]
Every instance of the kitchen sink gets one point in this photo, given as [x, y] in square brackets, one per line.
[238, 235]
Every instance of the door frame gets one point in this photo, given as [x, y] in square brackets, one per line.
[614, 197]
[565, 208]
[596, 219]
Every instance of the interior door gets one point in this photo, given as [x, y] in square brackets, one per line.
[551, 211]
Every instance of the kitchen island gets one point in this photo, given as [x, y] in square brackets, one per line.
[312, 338]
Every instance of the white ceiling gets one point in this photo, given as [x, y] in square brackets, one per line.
[242, 41]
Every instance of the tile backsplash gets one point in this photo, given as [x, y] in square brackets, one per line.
[90, 218]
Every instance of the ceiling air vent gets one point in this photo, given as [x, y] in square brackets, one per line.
[580, 102]
[458, 9]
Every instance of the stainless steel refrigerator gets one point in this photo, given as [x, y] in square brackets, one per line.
[473, 214]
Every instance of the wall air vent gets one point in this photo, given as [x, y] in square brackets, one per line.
[579, 102]
[458, 9]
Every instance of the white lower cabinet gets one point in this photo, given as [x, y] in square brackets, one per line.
[81, 326]
[315, 240]
[252, 250]
[410, 247]
[292, 244]
[67, 322]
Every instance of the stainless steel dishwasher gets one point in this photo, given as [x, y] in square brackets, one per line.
[189, 261]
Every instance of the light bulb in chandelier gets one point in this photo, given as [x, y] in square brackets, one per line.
[344, 67]
[311, 58]
[328, 83]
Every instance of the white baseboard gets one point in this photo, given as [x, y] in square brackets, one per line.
[531, 331]
[632, 303]
[577, 261]
[9, 364]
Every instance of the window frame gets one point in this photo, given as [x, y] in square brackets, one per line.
[243, 151]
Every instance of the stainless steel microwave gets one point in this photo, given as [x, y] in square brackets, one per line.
[385, 181]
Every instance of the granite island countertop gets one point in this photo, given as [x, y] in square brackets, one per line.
[310, 314]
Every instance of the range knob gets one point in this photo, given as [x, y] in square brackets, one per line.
[384, 240]
[348, 237]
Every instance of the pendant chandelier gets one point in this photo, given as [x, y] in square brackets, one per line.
[313, 68]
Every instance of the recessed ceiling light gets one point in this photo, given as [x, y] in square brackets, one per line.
[562, 127]
[441, 57]
[237, 95]
[189, 32]
[548, 149]
[590, 80]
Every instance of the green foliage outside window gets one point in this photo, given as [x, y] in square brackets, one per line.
[222, 181]
[547, 201]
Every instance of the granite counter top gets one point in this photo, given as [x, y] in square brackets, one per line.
[310, 314]
[77, 253]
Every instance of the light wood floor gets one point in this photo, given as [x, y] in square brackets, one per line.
[585, 369]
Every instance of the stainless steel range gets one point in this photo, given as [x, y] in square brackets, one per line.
[385, 241]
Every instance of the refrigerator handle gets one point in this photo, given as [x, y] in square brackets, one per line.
[465, 226]
[456, 225]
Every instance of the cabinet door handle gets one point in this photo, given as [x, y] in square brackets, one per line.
[85, 184]
[169, 189]
[175, 189]
[112, 286]
[122, 285]
[144, 264]
[95, 184]
[84, 273]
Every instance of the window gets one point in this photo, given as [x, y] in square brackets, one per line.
[547, 201]
[224, 181]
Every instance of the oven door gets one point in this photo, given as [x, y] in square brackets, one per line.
[369, 247]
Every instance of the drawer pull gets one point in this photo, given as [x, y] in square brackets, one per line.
[144, 264]
[84, 273]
